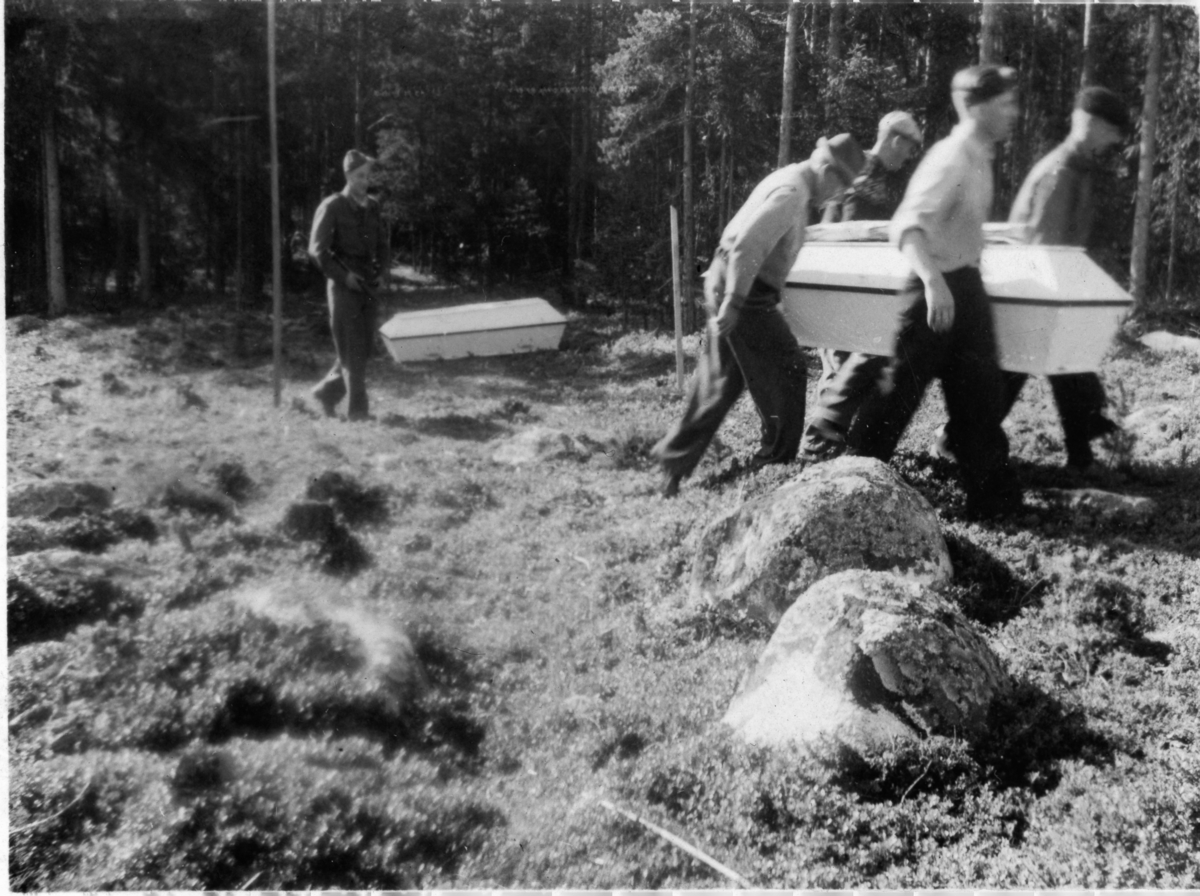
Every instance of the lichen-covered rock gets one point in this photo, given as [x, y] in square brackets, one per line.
[538, 444]
[57, 499]
[849, 513]
[863, 658]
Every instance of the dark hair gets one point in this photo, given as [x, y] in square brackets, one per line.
[981, 83]
[1103, 103]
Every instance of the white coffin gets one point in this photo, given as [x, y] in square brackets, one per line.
[1055, 310]
[486, 328]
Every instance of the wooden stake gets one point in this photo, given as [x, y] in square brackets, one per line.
[681, 844]
[677, 289]
[276, 247]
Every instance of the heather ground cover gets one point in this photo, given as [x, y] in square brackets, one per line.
[173, 724]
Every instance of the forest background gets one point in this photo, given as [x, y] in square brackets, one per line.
[542, 143]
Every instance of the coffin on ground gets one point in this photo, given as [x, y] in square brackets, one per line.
[484, 328]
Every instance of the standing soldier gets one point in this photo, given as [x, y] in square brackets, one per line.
[946, 329]
[847, 377]
[349, 243]
[755, 347]
[1057, 206]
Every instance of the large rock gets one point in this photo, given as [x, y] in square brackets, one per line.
[1104, 505]
[57, 499]
[863, 658]
[849, 513]
[1164, 341]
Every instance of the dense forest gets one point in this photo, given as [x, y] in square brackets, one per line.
[539, 142]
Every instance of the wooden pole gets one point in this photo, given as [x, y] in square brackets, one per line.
[276, 248]
[677, 290]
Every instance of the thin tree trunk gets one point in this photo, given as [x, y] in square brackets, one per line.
[56, 279]
[789, 86]
[1138, 270]
[837, 19]
[1087, 74]
[989, 33]
[689, 210]
[360, 132]
[1176, 177]
[145, 268]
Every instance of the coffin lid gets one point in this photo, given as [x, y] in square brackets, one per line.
[1010, 269]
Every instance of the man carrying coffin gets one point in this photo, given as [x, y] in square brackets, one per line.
[946, 329]
[1057, 206]
[755, 348]
[847, 377]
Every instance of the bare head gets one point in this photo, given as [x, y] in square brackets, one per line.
[1099, 122]
[985, 96]
[358, 168]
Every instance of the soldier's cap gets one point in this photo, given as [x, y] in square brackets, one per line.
[843, 153]
[900, 122]
[981, 83]
[1103, 103]
[355, 160]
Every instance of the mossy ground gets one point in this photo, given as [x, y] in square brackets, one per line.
[189, 746]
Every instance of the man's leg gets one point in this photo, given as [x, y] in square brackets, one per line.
[713, 390]
[945, 443]
[1080, 400]
[774, 368]
[358, 334]
[887, 410]
[975, 395]
[838, 402]
[332, 387]
[832, 360]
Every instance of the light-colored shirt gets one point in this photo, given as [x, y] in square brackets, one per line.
[948, 199]
[763, 239]
[1055, 203]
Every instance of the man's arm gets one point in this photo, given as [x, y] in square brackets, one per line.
[759, 237]
[914, 246]
[320, 247]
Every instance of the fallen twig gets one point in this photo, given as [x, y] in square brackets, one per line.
[49, 818]
[682, 844]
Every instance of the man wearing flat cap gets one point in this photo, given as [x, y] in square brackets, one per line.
[755, 348]
[1057, 206]
[847, 377]
[946, 327]
[349, 243]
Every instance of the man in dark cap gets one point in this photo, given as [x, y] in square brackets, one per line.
[755, 348]
[1057, 206]
[349, 243]
[846, 377]
[946, 327]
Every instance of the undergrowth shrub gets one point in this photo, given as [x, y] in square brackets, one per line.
[826, 818]
[355, 502]
[90, 533]
[44, 604]
[986, 589]
[288, 814]
[217, 671]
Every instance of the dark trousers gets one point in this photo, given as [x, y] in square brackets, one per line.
[1080, 400]
[352, 320]
[761, 355]
[846, 380]
[964, 359]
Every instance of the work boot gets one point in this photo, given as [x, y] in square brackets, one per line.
[329, 407]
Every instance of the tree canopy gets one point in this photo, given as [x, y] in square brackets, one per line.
[540, 141]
